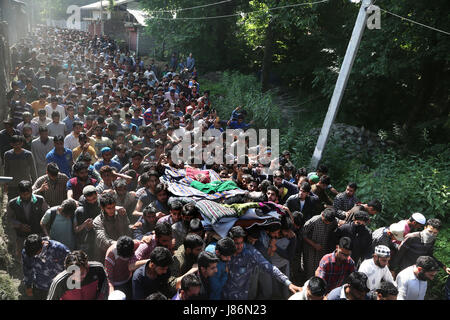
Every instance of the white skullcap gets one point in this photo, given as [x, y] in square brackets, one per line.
[419, 218]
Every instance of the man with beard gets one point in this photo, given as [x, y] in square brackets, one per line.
[27, 117]
[336, 266]
[109, 225]
[52, 186]
[346, 200]
[27, 133]
[106, 160]
[88, 209]
[207, 267]
[125, 198]
[360, 235]
[190, 288]
[146, 222]
[40, 147]
[376, 268]
[153, 276]
[184, 259]
[412, 281]
[137, 164]
[317, 237]
[24, 214]
[418, 244]
[162, 237]
[224, 250]
[75, 185]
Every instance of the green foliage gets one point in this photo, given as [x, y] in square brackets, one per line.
[406, 184]
[236, 89]
[435, 289]
[213, 43]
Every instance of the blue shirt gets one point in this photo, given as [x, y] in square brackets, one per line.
[112, 163]
[63, 161]
[137, 122]
[237, 125]
[41, 269]
[218, 280]
[69, 122]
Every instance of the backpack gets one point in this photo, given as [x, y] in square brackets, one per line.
[53, 217]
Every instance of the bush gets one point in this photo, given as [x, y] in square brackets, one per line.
[236, 89]
[436, 287]
[406, 185]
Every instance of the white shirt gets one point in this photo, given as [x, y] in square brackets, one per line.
[70, 142]
[302, 203]
[409, 287]
[62, 112]
[56, 129]
[375, 274]
[301, 295]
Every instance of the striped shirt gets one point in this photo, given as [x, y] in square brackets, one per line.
[56, 192]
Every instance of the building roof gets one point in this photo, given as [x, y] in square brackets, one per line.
[140, 16]
[96, 6]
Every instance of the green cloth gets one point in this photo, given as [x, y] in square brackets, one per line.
[215, 186]
[241, 208]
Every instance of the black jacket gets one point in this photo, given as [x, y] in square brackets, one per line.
[309, 208]
[361, 238]
[37, 211]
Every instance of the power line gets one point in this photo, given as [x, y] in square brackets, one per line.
[190, 8]
[420, 24]
[241, 13]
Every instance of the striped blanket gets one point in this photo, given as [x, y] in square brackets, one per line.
[179, 185]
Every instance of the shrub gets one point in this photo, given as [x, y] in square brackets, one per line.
[236, 89]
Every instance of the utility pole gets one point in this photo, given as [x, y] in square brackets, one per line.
[341, 82]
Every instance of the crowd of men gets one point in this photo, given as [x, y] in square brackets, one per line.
[89, 136]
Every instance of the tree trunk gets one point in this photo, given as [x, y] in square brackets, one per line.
[269, 44]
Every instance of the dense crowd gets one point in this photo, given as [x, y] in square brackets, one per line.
[99, 207]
